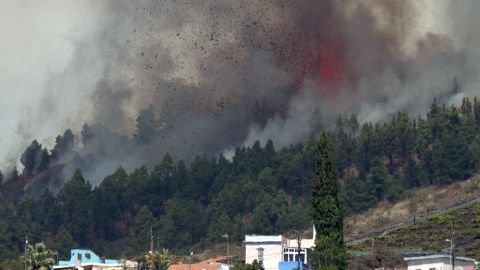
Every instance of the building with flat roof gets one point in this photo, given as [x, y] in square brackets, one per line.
[439, 262]
[85, 259]
[271, 250]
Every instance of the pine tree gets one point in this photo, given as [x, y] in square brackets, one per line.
[144, 224]
[411, 173]
[64, 145]
[219, 227]
[31, 157]
[329, 251]
[378, 180]
[74, 200]
[476, 110]
[355, 194]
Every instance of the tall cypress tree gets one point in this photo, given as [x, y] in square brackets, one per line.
[329, 251]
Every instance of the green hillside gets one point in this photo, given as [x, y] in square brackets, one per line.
[428, 236]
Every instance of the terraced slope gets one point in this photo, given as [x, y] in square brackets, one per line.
[428, 236]
[419, 205]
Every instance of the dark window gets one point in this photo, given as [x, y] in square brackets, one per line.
[260, 254]
[87, 255]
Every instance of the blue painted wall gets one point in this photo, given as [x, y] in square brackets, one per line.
[290, 266]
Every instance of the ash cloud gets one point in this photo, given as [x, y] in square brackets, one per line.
[202, 77]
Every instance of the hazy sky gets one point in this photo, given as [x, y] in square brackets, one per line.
[37, 40]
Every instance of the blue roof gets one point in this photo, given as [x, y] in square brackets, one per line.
[86, 256]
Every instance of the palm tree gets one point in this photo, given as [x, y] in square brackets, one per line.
[39, 257]
[163, 259]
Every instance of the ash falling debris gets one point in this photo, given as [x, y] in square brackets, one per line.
[190, 77]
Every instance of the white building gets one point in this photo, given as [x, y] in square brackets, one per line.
[264, 248]
[273, 249]
[439, 262]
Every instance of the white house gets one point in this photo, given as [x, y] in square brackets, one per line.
[439, 262]
[264, 248]
[273, 249]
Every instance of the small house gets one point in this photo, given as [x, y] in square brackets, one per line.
[85, 259]
[439, 262]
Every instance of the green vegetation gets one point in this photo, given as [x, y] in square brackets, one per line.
[39, 257]
[158, 260]
[429, 235]
[260, 190]
[255, 265]
[329, 251]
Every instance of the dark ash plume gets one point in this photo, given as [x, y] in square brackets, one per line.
[188, 77]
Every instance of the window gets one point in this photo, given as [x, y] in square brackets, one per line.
[79, 257]
[291, 255]
[260, 254]
[87, 255]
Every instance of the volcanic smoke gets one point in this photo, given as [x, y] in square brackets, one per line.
[202, 77]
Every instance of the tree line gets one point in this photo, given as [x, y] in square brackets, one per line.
[259, 190]
[382, 161]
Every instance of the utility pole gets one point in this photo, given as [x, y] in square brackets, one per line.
[228, 249]
[151, 239]
[26, 252]
[373, 253]
[189, 260]
[452, 251]
[228, 252]
[298, 237]
[452, 248]
[151, 259]
[299, 242]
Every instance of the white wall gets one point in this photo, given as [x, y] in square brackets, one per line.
[272, 248]
[426, 265]
[305, 243]
[272, 254]
[438, 264]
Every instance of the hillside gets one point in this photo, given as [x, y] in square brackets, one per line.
[387, 233]
[420, 204]
[425, 237]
